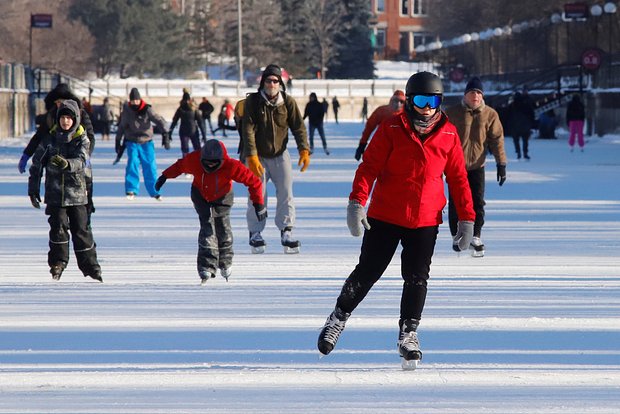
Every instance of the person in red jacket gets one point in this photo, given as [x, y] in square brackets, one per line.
[396, 105]
[405, 163]
[212, 195]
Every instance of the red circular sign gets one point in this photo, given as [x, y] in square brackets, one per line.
[591, 59]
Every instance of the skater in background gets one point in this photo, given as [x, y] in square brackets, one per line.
[547, 123]
[212, 195]
[53, 99]
[404, 167]
[268, 115]
[480, 130]
[314, 112]
[106, 117]
[575, 117]
[335, 108]
[206, 109]
[365, 109]
[191, 123]
[135, 134]
[223, 119]
[395, 106]
[63, 154]
[522, 121]
[325, 108]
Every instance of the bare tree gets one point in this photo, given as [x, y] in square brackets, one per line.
[323, 17]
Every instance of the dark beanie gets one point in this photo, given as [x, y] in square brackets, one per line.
[272, 70]
[134, 94]
[474, 84]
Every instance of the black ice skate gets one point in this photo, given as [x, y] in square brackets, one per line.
[205, 276]
[95, 274]
[409, 345]
[290, 245]
[257, 243]
[334, 325]
[56, 270]
[225, 272]
[477, 247]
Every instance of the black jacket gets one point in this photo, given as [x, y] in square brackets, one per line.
[314, 112]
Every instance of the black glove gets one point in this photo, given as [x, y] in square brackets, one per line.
[165, 140]
[501, 174]
[261, 211]
[160, 182]
[118, 147]
[35, 200]
[359, 151]
[59, 161]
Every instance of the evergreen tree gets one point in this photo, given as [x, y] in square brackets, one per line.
[354, 52]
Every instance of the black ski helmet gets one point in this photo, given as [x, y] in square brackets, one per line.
[424, 83]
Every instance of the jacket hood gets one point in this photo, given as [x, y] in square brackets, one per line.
[213, 150]
[272, 70]
[61, 91]
[71, 108]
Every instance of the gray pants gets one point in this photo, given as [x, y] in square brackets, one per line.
[215, 239]
[279, 171]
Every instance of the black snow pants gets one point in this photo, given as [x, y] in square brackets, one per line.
[73, 219]
[476, 183]
[215, 239]
[378, 247]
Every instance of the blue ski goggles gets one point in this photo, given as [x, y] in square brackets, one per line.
[422, 101]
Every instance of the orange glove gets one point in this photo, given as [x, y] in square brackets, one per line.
[254, 165]
[304, 160]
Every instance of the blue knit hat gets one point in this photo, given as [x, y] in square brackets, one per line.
[474, 84]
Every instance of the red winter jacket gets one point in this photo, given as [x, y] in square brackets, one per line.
[408, 175]
[215, 185]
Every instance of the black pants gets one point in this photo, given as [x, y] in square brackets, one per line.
[378, 248]
[476, 183]
[185, 140]
[215, 238]
[74, 219]
[318, 127]
[526, 140]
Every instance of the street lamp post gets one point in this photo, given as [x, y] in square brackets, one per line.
[610, 9]
[240, 40]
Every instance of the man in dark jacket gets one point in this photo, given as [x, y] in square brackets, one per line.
[206, 109]
[268, 115]
[63, 154]
[191, 122]
[314, 111]
[522, 121]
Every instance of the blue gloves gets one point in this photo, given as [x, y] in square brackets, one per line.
[356, 218]
[21, 166]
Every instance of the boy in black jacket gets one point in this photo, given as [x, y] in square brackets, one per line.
[63, 153]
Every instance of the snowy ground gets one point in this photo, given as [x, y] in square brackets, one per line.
[533, 327]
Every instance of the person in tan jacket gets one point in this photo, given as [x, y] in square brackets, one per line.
[480, 130]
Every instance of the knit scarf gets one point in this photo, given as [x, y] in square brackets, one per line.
[424, 125]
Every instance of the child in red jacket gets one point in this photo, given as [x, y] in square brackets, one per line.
[213, 197]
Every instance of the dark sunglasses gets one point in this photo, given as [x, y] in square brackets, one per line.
[272, 81]
[422, 101]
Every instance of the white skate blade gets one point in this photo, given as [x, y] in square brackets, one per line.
[410, 365]
[477, 253]
[203, 282]
[131, 197]
[258, 249]
[291, 250]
